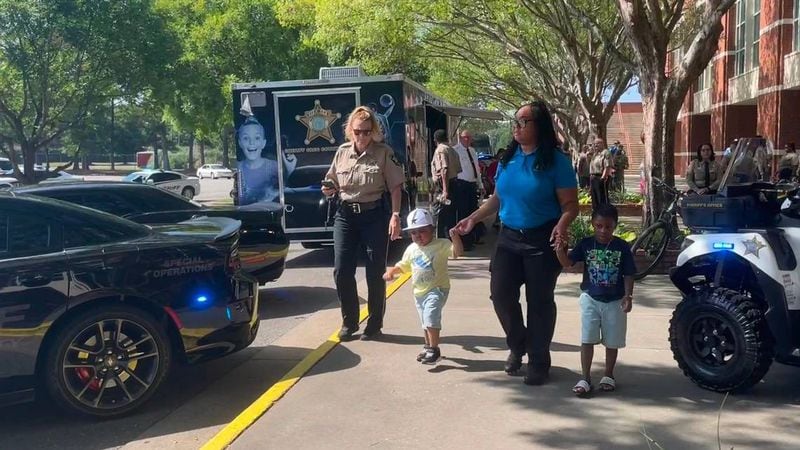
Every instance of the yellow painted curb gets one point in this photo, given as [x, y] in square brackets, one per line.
[242, 422]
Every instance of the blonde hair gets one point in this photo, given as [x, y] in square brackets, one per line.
[366, 114]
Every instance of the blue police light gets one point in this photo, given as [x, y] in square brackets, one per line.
[723, 246]
[201, 299]
[228, 313]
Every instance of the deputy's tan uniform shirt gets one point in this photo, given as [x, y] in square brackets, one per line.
[364, 178]
[600, 162]
[789, 161]
[696, 175]
[445, 158]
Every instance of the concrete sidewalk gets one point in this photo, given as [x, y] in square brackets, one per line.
[374, 394]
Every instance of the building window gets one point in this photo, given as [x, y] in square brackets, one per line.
[741, 36]
[756, 33]
[704, 82]
[796, 22]
[748, 31]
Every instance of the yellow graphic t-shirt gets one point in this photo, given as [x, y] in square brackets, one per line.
[428, 265]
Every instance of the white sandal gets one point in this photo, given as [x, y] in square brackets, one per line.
[607, 384]
[582, 388]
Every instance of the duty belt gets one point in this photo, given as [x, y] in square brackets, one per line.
[358, 208]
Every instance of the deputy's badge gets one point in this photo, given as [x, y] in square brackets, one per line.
[396, 161]
[752, 246]
[318, 121]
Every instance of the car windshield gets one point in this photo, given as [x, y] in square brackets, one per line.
[749, 162]
[6, 165]
[216, 166]
[135, 177]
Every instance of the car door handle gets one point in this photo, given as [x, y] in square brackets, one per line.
[34, 280]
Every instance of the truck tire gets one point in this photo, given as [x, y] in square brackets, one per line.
[721, 340]
[109, 376]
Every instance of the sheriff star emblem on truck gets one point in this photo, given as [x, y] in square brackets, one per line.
[318, 121]
[752, 246]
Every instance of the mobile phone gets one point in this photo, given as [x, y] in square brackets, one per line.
[328, 184]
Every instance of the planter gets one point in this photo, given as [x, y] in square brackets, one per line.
[663, 267]
[625, 209]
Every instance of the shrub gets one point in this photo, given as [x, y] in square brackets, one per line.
[581, 228]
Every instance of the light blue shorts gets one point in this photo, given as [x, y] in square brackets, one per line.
[601, 322]
[430, 307]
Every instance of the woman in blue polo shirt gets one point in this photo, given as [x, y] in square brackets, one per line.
[536, 194]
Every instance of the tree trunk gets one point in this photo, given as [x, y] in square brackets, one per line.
[225, 147]
[29, 158]
[190, 159]
[202, 152]
[112, 161]
[156, 161]
[598, 126]
[164, 151]
[76, 160]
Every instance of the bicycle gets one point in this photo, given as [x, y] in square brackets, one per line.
[655, 239]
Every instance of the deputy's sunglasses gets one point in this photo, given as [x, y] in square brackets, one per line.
[362, 132]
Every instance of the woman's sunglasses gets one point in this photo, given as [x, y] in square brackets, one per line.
[520, 123]
[362, 132]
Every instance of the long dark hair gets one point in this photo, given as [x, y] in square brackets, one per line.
[699, 156]
[546, 134]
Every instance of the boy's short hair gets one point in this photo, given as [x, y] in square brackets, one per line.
[606, 210]
[440, 136]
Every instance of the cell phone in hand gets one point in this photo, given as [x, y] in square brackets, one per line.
[328, 184]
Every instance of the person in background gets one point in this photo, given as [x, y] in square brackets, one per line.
[468, 185]
[362, 171]
[600, 169]
[582, 167]
[704, 174]
[537, 196]
[726, 155]
[445, 167]
[788, 165]
[620, 164]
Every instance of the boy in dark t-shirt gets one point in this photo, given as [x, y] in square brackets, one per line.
[607, 293]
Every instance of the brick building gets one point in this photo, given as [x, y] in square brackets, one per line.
[752, 85]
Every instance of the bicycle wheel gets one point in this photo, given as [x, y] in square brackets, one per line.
[650, 246]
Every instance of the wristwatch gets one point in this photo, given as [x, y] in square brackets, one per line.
[396, 214]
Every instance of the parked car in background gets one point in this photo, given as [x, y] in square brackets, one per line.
[96, 309]
[214, 171]
[175, 182]
[263, 245]
[60, 177]
[8, 182]
[6, 168]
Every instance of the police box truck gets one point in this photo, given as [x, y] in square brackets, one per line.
[287, 133]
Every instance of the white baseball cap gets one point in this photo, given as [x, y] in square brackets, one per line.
[418, 218]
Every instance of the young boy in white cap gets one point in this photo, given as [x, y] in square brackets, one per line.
[426, 260]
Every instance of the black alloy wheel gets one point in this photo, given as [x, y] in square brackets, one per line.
[107, 362]
[721, 340]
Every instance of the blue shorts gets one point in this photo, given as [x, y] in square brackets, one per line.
[602, 322]
[430, 307]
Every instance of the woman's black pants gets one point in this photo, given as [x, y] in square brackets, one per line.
[352, 234]
[526, 257]
[598, 189]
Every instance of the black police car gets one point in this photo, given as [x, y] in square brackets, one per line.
[95, 309]
[263, 245]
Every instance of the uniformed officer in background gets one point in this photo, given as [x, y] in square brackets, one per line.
[445, 167]
[362, 171]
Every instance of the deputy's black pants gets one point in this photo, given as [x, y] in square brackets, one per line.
[352, 233]
[466, 200]
[598, 189]
[526, 258]
[447, 216]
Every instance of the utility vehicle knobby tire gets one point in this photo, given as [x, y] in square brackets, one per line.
[653, 242]
[721, 340]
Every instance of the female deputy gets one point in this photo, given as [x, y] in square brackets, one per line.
[536, 193]
[362, 170]
[704, 174]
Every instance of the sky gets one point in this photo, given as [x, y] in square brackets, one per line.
[631, 95]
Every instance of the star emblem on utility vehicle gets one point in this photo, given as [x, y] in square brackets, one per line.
[752, 246]
[318, 121]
